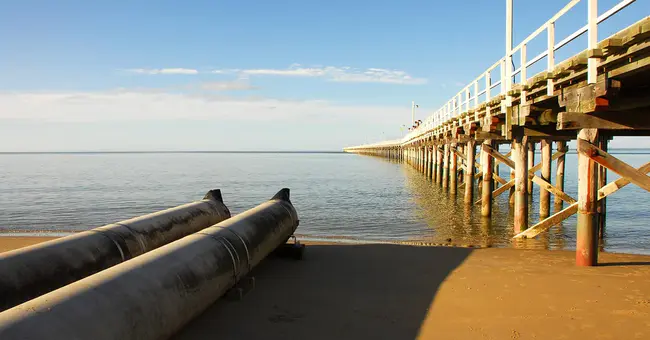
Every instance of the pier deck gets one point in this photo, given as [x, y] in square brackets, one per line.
[598, 94]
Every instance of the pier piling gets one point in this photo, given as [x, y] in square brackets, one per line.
[445, 167]
[439, 165]
[488, 184]
[511, 195]
[587, 228]
[453, 170]
[559, 173]
[544, 195]
[531, 163]
[603, 142]
[470, 150]
[520, 156]
[591, 97]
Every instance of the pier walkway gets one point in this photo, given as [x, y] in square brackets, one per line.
[595, 95]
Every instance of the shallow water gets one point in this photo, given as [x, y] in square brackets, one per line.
[337, 195]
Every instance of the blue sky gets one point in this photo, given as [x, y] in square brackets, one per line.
[248, 75]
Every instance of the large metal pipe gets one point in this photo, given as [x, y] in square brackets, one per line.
[154, 295]
[33, 271]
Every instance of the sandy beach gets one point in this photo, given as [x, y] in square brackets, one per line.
[379, 291]
[14, 242]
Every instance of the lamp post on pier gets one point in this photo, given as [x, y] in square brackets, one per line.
[413, 107]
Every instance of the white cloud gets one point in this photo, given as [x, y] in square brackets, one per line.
[342, 74]
[124, 105]
[164, 71]
[237, 85]
[331, 73]
[290, 72]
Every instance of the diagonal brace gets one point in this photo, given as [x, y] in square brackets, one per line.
[612, 163]
[563, 214]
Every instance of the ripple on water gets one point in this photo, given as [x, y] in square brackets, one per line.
[339, 196]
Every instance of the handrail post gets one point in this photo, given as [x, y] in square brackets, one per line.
[550, 56]
[487, 86]
[503, 76]
[592, 40]
[508, 61]
[522, 75]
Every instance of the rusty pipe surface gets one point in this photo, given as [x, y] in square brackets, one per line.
[154, 295]
[32, 271]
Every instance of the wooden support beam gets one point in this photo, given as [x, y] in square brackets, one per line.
[548, 222]
[521, 174]
[511, 194]
[547, 132]
[603, 158]
[470, 150]
[602, 181]
[496, 165]
[439, 155]
[560, 216]
[587, 228]
[434, 164]
[495, 176]
[486, 194]
[421, 159]
[430, 161]
[481, 135]
[461, 168]
[609, 120]
[559, 172]
[429, 152]
[531, 163]
[413, 157]
[551, 189]
[544, 184]
[616, 185]
[460, 155]
[589, 98]
[423, 156]
[453, 171]
[538, 166]
[445, 167]
[544, 195]
[498, 191]
[497, 156]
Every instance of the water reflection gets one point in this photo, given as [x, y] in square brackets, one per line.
[453, 222]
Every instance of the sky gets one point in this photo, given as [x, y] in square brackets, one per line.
[251, 75]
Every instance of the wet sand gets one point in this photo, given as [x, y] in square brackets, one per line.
[403, 292]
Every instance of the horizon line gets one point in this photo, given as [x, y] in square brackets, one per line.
[169, 151]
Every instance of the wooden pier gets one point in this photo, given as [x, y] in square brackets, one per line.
[598, 94]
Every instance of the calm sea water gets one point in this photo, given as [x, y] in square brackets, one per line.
[337, 195]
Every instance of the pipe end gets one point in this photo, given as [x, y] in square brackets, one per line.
[282, 195]
[214, 194]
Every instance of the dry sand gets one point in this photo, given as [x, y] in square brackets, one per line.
[405, 292]
[14, 242]
[383, 291]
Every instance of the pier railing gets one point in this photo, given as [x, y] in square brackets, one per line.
[597, 94]
[388, 143]
[471, 98]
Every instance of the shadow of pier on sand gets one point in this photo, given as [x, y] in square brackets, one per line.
[337, 291]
